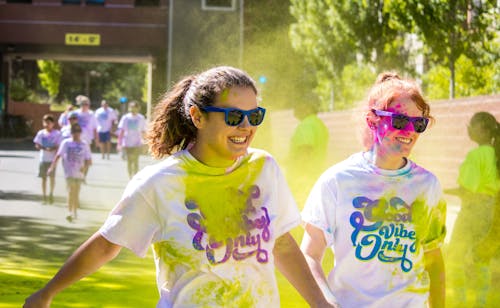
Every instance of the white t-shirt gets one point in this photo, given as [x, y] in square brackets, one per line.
[74, 154]
[379, 223]
[133, 126]
[105, 118]
[88, 124]
[174, 204]
[47, 139]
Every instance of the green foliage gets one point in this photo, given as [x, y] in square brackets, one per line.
[471, 80]
[331, 35]
[387, 35]
[18, 90]
[49, 76]
[109, 81]
[450, 29]
[355, 82]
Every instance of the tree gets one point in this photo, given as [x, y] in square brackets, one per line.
[330, 34]
[471, 80]
[50, 76]
[450, 29]
[334, 34]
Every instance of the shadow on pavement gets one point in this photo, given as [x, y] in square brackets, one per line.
[19, 195]
[26, 237]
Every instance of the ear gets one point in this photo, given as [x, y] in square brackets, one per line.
[372, 120]
[196, 116]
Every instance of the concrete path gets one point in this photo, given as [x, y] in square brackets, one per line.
[21, 194]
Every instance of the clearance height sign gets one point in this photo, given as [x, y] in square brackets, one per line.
[83, 39]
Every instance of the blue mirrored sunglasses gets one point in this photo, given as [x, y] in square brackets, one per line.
[234, 116]
[400, 121]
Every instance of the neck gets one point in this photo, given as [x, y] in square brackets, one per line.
[210, 160]
[387, 162]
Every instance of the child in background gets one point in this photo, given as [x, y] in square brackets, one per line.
[76, 158]
[478, 186]
[66, 129]
[132, 126]
[47, 140]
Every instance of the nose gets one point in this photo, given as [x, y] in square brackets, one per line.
[245, 123]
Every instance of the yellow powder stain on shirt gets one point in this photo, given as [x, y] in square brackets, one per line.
[226, 294]
[223, 199]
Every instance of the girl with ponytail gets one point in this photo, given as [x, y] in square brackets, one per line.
[216, 212]
[478, 190]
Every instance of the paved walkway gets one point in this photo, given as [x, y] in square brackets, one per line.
[20, 188]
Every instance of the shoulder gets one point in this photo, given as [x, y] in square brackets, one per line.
[168, 169]
[421, 172]
[256, 155]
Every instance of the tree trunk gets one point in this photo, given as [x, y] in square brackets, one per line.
[452, 79]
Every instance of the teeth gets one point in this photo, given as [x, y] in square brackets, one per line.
[404, 140]
[238, 139]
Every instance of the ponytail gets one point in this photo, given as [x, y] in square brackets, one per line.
[171, 129]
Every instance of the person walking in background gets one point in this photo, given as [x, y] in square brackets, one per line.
[382, 214]
[76, 159]
[106, 118]
[66, 129]
[47, 141]
[479, 185]
[87, 120]
[308, 150]
[217, 213]
[131, 128]
[63, 118]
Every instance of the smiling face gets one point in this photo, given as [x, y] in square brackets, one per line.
[218, 144]
[390, 144]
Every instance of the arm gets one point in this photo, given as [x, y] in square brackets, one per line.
[291, 263]
[313, 247]
[434, 265]
[89, 257]
[53, 164]
[120, 139]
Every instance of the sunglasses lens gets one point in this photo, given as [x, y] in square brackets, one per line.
[420, 125]
[399, 121]
[256, 117]
[234, 117]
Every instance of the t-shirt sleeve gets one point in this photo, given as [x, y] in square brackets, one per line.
[133, 223]
[122, 122]
[319, 209]
[436, 226]
[469, 176]
[38, 138]
[288, 214]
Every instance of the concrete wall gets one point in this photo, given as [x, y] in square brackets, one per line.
[441, 149]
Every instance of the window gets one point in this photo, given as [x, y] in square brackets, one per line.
[147, 2]
[94, 2]
[218, 5]
[71, 2]
[18, 1]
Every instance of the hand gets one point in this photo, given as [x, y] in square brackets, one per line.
[38, 300]
[50, 171]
